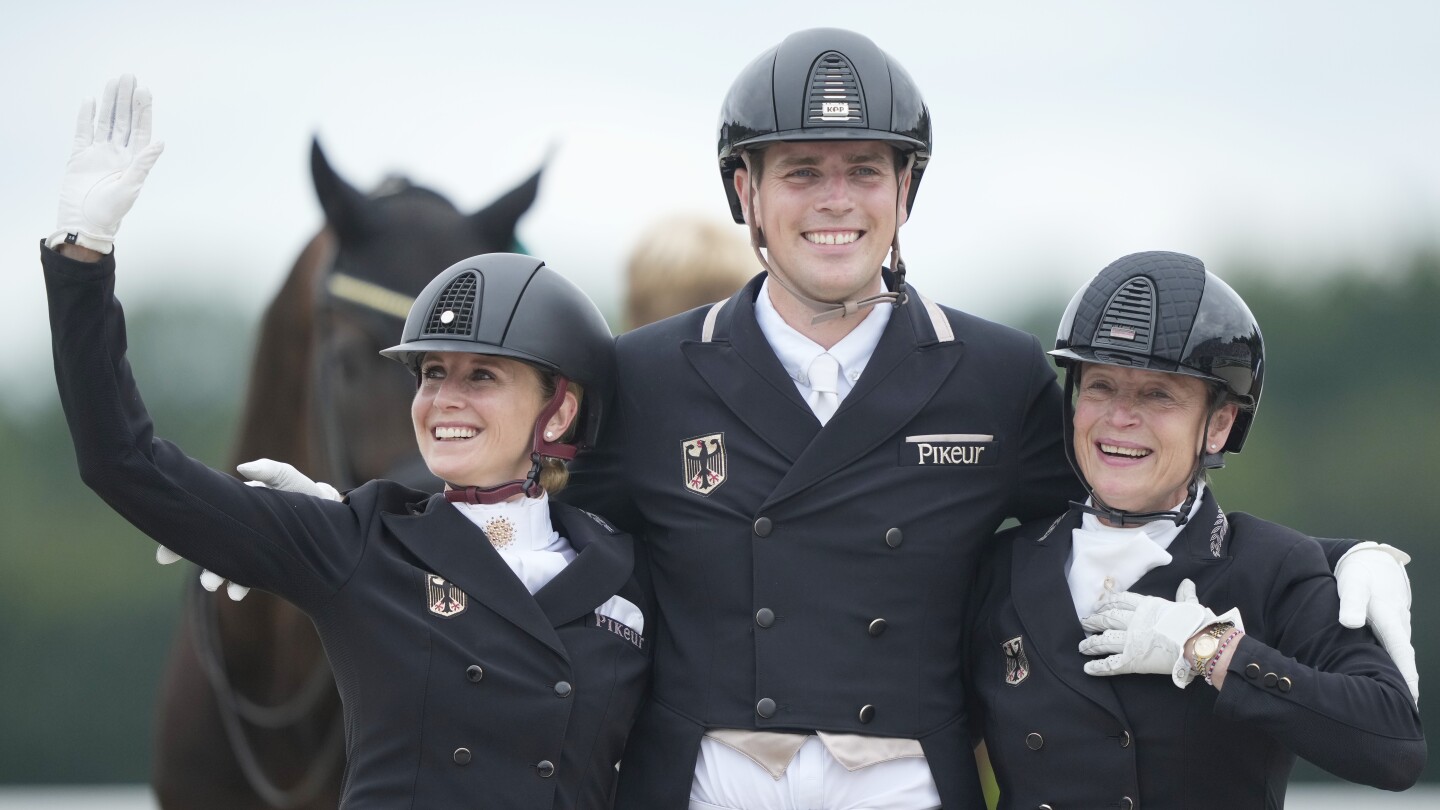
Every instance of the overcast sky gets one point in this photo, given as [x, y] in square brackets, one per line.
[1067, 133]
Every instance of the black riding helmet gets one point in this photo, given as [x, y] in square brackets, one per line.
[823, 84]
[1165, 312]
[511, 305]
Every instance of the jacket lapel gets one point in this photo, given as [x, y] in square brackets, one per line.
[599, 571]
[743, 371]
[1200, 553]
[909, 365]
[1041, 596]
[454, 548]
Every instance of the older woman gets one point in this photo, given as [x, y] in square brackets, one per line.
[489, 644]
[1164, 366]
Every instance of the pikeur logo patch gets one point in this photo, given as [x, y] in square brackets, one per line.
[950, 450]
[704, 462]
[444, 597]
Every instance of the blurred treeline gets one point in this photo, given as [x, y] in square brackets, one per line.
[1345, 444]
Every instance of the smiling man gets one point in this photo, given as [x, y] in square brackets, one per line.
[828, 454]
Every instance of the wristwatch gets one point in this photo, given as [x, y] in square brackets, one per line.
[1208, 644]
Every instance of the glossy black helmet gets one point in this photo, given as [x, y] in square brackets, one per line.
[511, 305]
[1165, 312]
[823, 84]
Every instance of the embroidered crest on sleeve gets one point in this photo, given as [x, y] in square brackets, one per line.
[444, 597]
[1017, 666]
[704, 462]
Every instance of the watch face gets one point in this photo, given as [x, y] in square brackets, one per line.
[1205, 646]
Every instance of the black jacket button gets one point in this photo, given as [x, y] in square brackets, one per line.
[765, 708]
[1124, 739]
[545, 768]
[1127, 803]
[563, 689]
[867, 713]
[1270, 679]
[763, 526]
[461, 756]
[1034, 741]
[1285, 684]
[764, 617]
[894, 537]
[877, 627]
[474, 673]
[1252, 671]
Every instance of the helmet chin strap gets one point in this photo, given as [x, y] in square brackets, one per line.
[541, 448]
[1120, 517]
[830, 310]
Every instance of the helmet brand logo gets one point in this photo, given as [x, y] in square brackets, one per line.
[1122, 332]
[835, 109]
[447, 316]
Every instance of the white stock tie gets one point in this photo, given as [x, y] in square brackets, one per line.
[824, 396]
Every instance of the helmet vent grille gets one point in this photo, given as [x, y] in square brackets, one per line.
[1128, 321]
[454, 309]
[834, 96]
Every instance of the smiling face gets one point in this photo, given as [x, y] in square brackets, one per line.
[1137, 434]
[474, 417]
[827, 210]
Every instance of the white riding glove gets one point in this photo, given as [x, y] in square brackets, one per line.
[1146, 634]
[1374, 588]
[262, 473]
[111, 157]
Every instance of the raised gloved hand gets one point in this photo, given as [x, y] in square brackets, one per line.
[1145, 634]
[262, 473]
[1375, 589]
[111, 157]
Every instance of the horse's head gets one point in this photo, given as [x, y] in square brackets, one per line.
[377, 252]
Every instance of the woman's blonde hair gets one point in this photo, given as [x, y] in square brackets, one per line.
[683, 262]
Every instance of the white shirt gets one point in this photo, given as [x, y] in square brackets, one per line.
[1105, 558]
[796, 351]
[521, 532]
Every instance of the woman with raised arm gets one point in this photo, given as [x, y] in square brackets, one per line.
[488, 642]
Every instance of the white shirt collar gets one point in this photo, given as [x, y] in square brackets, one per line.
[1105, 558]
[518, 525]
[796, 351]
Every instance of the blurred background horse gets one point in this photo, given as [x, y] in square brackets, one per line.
[249, 717]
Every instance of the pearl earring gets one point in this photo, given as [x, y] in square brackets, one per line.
[551, 434]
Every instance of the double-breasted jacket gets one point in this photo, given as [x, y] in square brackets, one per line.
[815, 578]
[1299, 682]
[460, 688]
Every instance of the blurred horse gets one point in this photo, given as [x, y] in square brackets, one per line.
[249, 715]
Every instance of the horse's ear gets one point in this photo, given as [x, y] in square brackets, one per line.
[497, 220]
[346, 209]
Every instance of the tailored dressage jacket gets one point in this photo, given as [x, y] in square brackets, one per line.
[460, 688]
[1299, 682]
[815, 578]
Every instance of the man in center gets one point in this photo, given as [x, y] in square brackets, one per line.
[815, 465]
